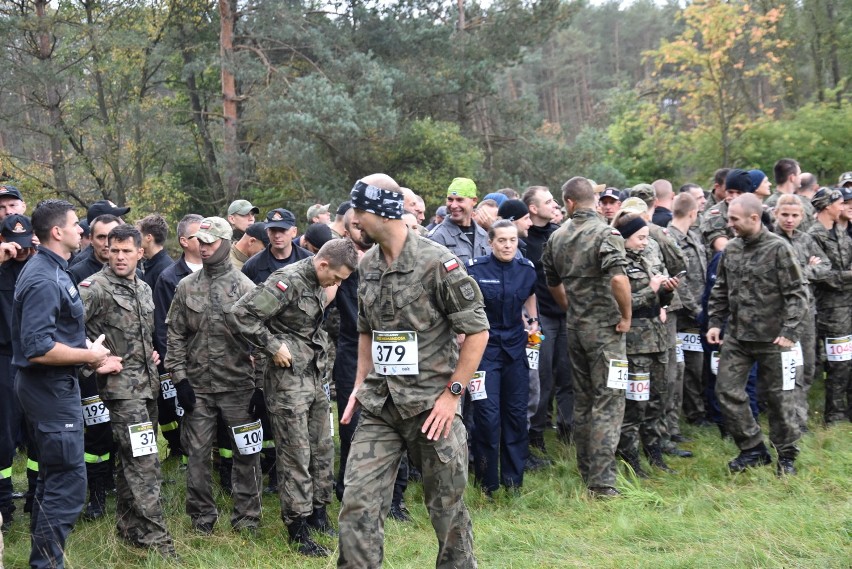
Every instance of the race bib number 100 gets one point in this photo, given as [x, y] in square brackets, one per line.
[617, 377]
[142, 439]
[395, 353]
[249, 438]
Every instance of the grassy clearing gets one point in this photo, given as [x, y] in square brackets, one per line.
[700, 517]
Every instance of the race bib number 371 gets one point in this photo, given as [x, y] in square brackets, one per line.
[395, 353]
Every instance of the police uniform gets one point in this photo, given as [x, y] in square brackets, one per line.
[426, 290]
[501, 418]
[288, 309]
[48, 310]
[204, 351]
[583, 256]
[123, 311]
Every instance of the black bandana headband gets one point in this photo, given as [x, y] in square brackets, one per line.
[371, 199]
[631, 227]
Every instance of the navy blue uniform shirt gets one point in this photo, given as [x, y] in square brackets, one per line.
[47, 310]
[259, 267]
[9, 272]
[506, 286]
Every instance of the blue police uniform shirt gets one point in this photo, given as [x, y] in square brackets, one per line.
[47, 310]
[505, 286]
[9, 272]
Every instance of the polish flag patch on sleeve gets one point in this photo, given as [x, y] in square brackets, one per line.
[451, 265]
[281, 286]
[86, 283]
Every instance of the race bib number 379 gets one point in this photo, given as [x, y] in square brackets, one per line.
[395, 353]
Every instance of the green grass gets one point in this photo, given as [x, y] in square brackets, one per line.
[700, 517]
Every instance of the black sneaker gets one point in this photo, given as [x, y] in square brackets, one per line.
[757, 456]
[785, 466]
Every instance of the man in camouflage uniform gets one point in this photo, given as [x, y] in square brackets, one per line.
[284, 317]
[834, 301]
[788, 180]
[715, 231]
[212, 372]
[584, 262]
[684, 215]
[119, 306]
[760, 292]
[816, 268]
[409, 284]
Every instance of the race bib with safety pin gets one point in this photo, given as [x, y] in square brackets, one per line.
[395, 353]
[714, 363]
[532, 355]
[94, 411]
[142, 439]
[691, 341]
[838, 349]
[638, 386]
[167, 387]
[788, 370]
[249, 438]
[617, 377]
[477, 387]
[679, 351]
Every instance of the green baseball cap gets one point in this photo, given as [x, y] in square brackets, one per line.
[212, 229]
[242, 207]
[462, 187]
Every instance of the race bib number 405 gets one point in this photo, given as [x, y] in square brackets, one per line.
[94, 411]
[691, 341]
[142, 439]
[249, 438]
[395, 353]
[617, 377]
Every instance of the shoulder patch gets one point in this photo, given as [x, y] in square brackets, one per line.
[281, 286]
[72, 290]
[714, 212]
[86, 283]
[615, 232]
[451, 265]
[467, 291]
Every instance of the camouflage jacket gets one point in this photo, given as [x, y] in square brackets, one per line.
[692, 285]
[808, 210]
[123, 311]
[201, 345]
[647, 332]
[286, 309]
[805, 247]
[836, 289]
[715, 225]
[426, 290]
[673, 258]
[583, 255]
[759, 290]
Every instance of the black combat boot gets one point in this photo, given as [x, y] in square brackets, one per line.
[631, 459]
[300, 536]
[318, 521]
[749, 458]
[655, 458]
[96, 508]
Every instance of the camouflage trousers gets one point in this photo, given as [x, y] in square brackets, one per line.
[138, 510]
[598, 410]
[198, 431]
[693, 375]
[377, 448]
[674, 381]
[832, 323]
[304, 448]
[803, 387]
[736, 359]
[645, 420]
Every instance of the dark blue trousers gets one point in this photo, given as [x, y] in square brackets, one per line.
[501, 436]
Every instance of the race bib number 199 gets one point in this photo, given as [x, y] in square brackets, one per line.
[395, 353]
[94, 411]
[617, 377]
[142, 439]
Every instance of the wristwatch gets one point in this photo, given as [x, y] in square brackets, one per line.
[455, 387]
[533, 319]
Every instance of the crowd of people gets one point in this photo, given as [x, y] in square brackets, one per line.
[613, 318]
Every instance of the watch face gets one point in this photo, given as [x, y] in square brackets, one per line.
[456, 388]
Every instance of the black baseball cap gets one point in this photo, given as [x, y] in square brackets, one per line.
[17, 229]
[258, 231]
[10, 191]
[343, 208]
[318, 234]
[280, 218]
[613, 193]
[105, 206]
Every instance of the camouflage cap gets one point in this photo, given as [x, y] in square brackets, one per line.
[212, 229]
[845, 178]
[633, 205]
[644, 192]
[317, 209]
[824, 197]
[462, 187]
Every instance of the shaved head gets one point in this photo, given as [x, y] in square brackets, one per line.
[382, 181]
[750, 204]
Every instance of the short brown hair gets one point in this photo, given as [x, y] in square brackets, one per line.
[339, 253]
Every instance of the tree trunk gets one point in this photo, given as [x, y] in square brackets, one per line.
[53, 99]
[228, 15]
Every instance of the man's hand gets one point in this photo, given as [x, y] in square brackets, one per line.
[351, 407]
[714, 336]
[783, 342]
[483, 217]
[156, 357]
[814, 260]
[623, 326]
[671, 283]
[8, 250]
[98, 351]
[440, 420]
[282, 357]
[533, 328]
[111, 366]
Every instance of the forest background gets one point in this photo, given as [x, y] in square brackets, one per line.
[184, 105]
